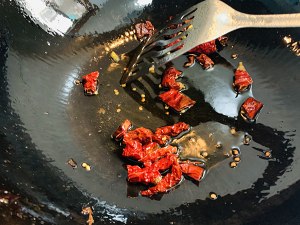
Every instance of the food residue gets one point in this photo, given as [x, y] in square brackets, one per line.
[162, 169]
[88, 211]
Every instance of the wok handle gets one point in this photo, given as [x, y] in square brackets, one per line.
[268, 21]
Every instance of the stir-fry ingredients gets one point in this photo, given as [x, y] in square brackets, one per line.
[205, 61]
[144, 29]
[122, 129]
[201, 51]
[157, 165]
[90, 83]
[205, 48]
[242, 79]
[177, 100]
[192, 170]
[250, 109]
[169, 79]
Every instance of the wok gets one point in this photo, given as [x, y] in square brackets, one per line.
[46, 120]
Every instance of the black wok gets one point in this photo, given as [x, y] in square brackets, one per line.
[46, 120]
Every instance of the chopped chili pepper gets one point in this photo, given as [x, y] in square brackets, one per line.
[173, 130]
[250, 109]
[162, 135]
[90, 83]
[158, 153]
[122, 129]
[190, 62]
[205, 61]
[178, 101]
[144, 29]
[242, 79]
[147, 175]
[133, 149]
[141, 134]
[169, 78]
[191, 170]
[205, 48]
[165, 162]
[167, 182]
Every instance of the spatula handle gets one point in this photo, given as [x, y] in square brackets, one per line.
[274, 20]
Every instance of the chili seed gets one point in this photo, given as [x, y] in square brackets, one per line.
[268, 154]
[235, 151]
[247, 139]
[86, 166]
[77, 82]
[234, 56]
[232, 130]
[72, 163]
[237, 159]
[118, 110]
[219, 145]
[233, 164]
[141, 108]
[213, 196]
[204, 154]
[152, 69]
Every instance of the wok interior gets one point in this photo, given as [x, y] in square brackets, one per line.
[48, 120]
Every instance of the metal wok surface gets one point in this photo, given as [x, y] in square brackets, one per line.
[46, 119]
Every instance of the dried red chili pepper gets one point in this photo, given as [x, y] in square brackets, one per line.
[165, 162]
[122, 129]
[169, 78]
[178, 101]
[147, 175]
[242, 79]
[173, 130]
[167, 182]
[90, 83]
[158, 153]
[134, 150]
[141, 134]
[205, 61]
[205, 48]
[144, 29]
[250, 109]
[191, 170]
